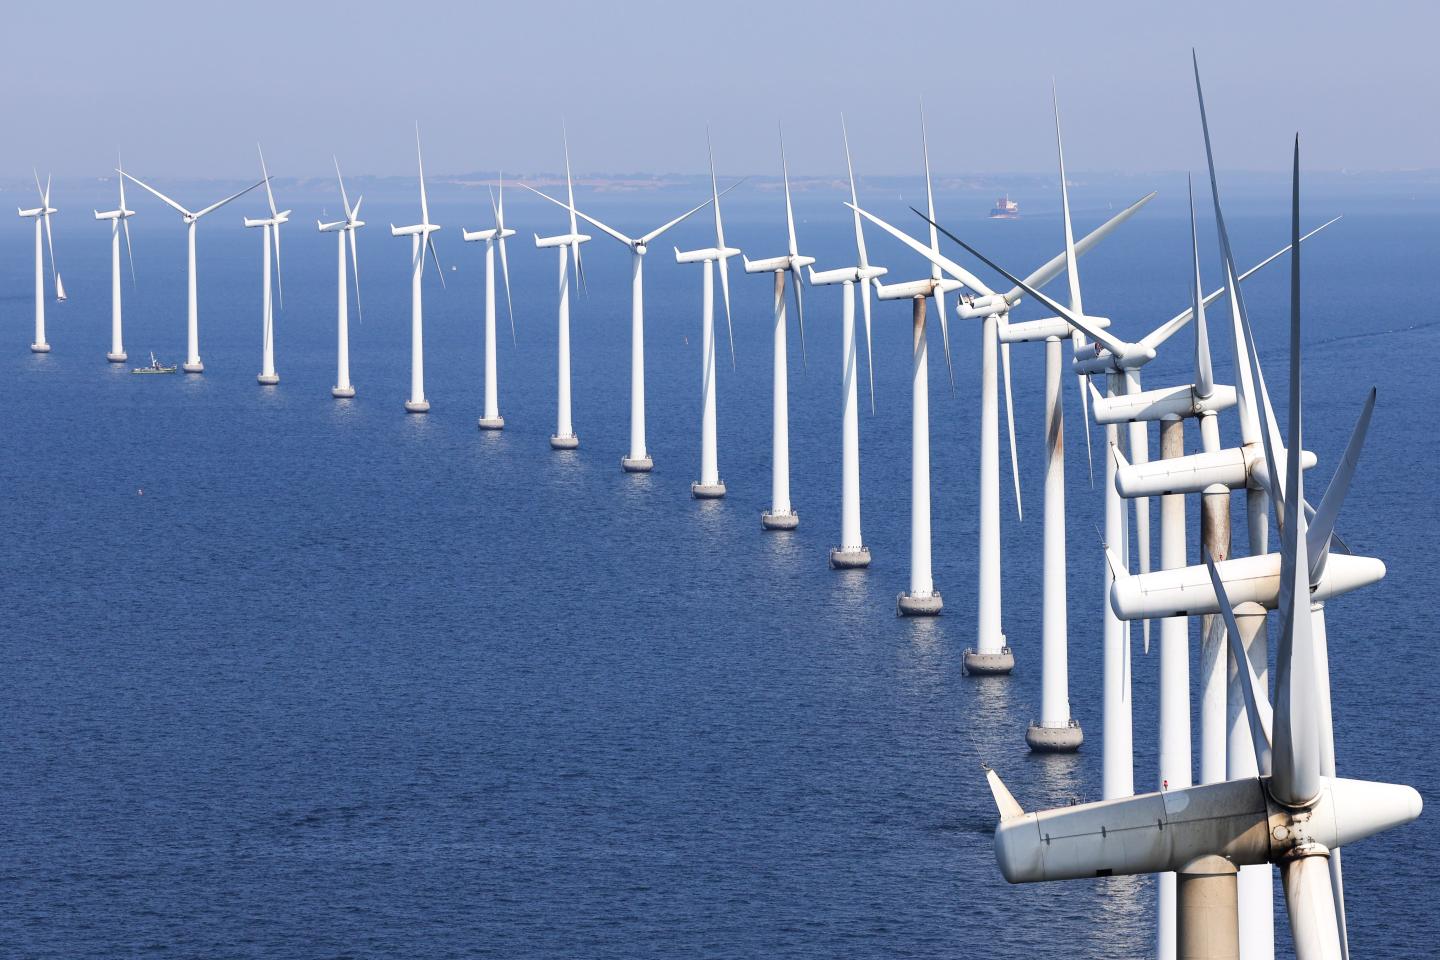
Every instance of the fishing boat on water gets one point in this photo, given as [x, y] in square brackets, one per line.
[155, 366]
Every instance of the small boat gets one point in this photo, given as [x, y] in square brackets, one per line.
[1005, 209]
[155, 366]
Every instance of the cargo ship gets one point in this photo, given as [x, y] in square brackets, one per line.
[1005, 209]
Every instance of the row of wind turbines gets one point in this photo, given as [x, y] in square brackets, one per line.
[1268, 793]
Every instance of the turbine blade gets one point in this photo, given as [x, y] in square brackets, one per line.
[1322, 524]
[279, 281]
[141, 183]
[859, 232]
[945, 342]
[869, 352]
[1010, 417]
[1071, 269]
[435, 255]
[944, 262]
[420, 162]
[789, 209]
[265, 175]
[129, 251]
[355, 269]
[344, 197]
[1257, 705]
[653, 234]
[588, 219]
[1309, 899]
[800, 313]
[216, 206]
[1055, 266]
[50, 242]
[1204, 374]
[1076, 341]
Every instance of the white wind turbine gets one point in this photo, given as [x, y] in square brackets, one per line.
[992, 655]
[639, 460]
[41, 216]
[420, 240]
[565, 244]
[710, 486]
[190, 219]
[852, 552]
[269, 226]
[1292, 814]
[493, 237]
[781, 515]
[1118, 747]
[344, 229]
[119, 220]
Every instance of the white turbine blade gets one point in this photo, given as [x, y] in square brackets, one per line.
[724, 263]
[855, 212]
[265, 174]
[504, 261]
[1257, 704]
[129, 250]
[344, 197]
[1310, 901]
[43, 192]
[569, 182]
[216, 206]
[939, 259]
[119, 165]
[588, 219]
[800, 315]
[435, 255]
[930, 206]
[1204, 375]
[1296, 777]
[1071, 270]
[1337, 891]
[1056, 264]
[50, 242]
[424, 202]
[355, 269]
[1010, 417]
[141, 183]
[945, 342]
[1322, 524]
[789, 208]
[279, 281]
[653, 234]
[1117, 347]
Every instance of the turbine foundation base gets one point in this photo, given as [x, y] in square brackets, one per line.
[707, 491]
[39, 348]
[564, 443]
[268, 379]
[989, 664]
[1054, 739]
[853, 559]
[788, 520]
[637, 464]
[491, 423]
[342, 393]
[120, 357]
[196, 367]
[919, 605]
[417, 406]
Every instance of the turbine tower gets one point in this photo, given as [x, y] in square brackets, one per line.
[41, 216]
[421, 239]
[269, 226]
[639, 460]
[495, 236]
[565, 244]
[710, 486]
[119, 220]
[781, 515]
[344, 229]
[190, 219]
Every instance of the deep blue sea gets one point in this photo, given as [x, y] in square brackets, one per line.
[282, 676]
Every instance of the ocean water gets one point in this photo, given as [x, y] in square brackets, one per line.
[291, 677]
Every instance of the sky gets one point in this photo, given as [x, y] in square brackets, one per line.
[187, 89]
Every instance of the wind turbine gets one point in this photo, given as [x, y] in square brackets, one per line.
[268, 226]
[420, 240]
[190, 219]
[1291, 814]
[781, 515]
[496, 235]
[710, 486]
[119, 218]
[565, 244]
[639, 459]
[41, 216]
[343, 229]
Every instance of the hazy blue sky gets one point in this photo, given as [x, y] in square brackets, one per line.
[187, 88]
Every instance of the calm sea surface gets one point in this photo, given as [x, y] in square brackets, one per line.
[282, 676]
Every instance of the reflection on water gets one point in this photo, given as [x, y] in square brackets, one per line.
[1122, 926]
[1058, 779]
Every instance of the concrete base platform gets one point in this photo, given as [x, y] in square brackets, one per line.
[342, 393]
[268, 379]
[989, 664]
[779, 521]
[564, 443]
[39, 348]
[849, 559]
[491, 423]
[417, 406]
[707, 491]
[196, 367]
[117, 357]
[637, 464]
[1066, 739]
[914, 605]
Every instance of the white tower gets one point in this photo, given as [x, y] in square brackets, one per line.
[119, 221]
[493, 237]
[343, 229]
[565, 245]
[270, 227]
[41, 216]
[421, 239]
